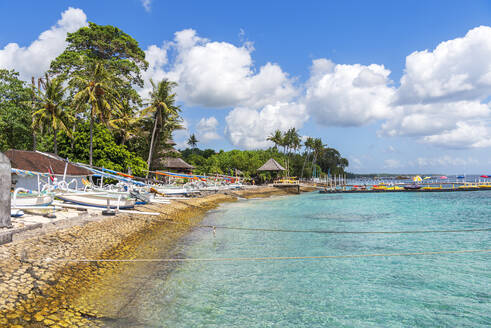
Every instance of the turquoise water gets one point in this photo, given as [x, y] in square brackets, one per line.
[451, 290]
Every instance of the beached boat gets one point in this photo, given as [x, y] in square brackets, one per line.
[100, 200]
[22, 198]
[394, 188]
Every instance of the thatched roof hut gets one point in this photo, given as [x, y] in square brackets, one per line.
[271, 165]
[177, 164]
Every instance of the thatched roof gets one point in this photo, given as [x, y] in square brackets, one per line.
[37, 161]
[176, 163]
[271, 165]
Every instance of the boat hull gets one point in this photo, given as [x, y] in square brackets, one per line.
[98, 201]
[32, 200]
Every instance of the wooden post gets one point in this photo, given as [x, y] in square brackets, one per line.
[5, 184]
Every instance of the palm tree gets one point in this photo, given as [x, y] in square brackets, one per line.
[318, 148]
[309, 144]
[126, 121]
[291, 142]
[192, 141]
[96, 86]
[50, 111]
[276, 137]
[162, 105]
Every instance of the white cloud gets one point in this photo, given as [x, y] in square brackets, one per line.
[249, 128]
[207, 129]
[180, 137]
[219, 74]
[458, 69]
[348, 95]
[35, 59]
[147, 4]
[442, 93]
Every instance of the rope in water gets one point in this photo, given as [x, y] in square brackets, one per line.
[273, 258]
[331, 231]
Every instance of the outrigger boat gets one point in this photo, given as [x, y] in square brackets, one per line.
[97, 199]
[26, 198]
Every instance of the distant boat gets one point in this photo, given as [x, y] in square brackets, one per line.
[412, 187]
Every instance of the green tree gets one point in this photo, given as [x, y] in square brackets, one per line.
[118, 51]
[97, 87]
[126, 122]
[51, 111]
[309, 145]
[15, 112]
[192, 141]
[162, 107]
[276, 137]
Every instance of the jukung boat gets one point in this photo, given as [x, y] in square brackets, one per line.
[97, 199]
[26, 198]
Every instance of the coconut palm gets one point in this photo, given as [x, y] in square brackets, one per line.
[276, 137]
[126, 121]
[50, 111]
[97, 87]
[309, 144]
[162, 106]
[192, 141]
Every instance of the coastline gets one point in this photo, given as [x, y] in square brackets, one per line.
[40, 288]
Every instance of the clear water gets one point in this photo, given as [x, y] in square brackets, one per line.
[450, 290]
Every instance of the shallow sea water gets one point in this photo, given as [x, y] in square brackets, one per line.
[451, 290]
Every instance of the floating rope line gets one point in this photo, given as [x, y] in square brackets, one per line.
[273, 258]
[344, 232]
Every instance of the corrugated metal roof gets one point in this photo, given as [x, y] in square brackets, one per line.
[37, 161]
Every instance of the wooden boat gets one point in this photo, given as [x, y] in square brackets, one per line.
[394, 188]
[99, 200]
[22, 197]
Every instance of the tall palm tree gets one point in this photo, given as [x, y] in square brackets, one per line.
[276, 137]
[50, 111]
[192, 141]
[162, 106]
[97, 87]
[309, 144]
[318, 148]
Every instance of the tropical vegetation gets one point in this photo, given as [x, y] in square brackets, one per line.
[87, 108]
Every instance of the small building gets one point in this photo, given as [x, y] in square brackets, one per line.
[177, 165]
[47, 165]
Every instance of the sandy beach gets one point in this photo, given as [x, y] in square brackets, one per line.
[44, 283]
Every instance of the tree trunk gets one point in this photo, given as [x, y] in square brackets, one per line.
[151, 146]
[91, 134]
[73, 136]
[307, 155]
[55, 143]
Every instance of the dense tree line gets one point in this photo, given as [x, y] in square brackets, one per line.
[86, 108]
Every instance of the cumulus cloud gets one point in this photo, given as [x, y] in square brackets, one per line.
[207, 129]
[441, 99]
[219, 74]
[348, 95]
[249, 128]
[458, 69]
[34, 60]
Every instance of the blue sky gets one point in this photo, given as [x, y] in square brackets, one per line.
[333, 69]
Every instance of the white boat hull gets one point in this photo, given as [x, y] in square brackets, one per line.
[32, 200]
[97, 200]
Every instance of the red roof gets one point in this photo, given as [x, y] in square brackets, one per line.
[37, 161]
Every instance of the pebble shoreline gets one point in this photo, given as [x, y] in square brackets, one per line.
[40, 288]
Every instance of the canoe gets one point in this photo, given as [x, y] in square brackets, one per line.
[412, 187]
[97, 200]
[20, 200]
